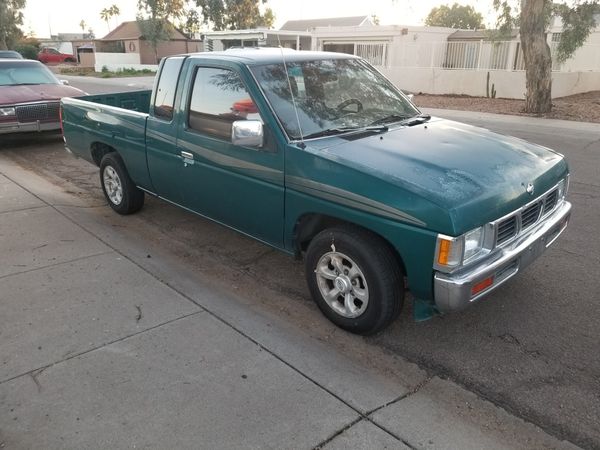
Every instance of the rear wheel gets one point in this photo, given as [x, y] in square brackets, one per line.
[355, 279]
[120, 191]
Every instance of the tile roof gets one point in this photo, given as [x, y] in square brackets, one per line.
[131, 30]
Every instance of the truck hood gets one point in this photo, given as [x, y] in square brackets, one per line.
[12, 95]
[474, 174]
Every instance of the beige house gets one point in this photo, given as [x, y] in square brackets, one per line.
[434, 60]
[128, 38]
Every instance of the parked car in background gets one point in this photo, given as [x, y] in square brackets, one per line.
[51, 55]
[10, 54]
[30, 96]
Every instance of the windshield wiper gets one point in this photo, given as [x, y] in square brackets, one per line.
[390, 119]
[403, 119]
[342, 130]
[415, 120]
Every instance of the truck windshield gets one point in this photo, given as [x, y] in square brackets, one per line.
[331, 94]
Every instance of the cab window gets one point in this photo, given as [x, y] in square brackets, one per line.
[218, 99]
[167, 86]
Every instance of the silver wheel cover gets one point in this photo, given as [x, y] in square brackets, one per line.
[112, 185]
[342, 284]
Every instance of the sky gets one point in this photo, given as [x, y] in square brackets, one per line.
[64, 16]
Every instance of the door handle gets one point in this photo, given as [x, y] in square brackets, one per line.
[188, 158]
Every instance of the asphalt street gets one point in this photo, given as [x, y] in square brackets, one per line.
[532, 347]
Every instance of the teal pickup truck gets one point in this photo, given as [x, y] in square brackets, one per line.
[318, 155]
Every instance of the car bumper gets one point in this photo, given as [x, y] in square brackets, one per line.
[18, 127]
[454, 291]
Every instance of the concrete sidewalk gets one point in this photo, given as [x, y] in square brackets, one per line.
[103, 346]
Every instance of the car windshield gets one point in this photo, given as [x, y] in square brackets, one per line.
[332, 96]
[15, 72]
[10, 54]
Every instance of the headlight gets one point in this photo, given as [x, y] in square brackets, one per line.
[8, 112]
[563, 187]
[454, 252]
[473, 243]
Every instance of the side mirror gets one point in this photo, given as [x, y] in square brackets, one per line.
[248, 133]
[65, 82]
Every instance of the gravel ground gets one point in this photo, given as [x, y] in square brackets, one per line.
[581, 107]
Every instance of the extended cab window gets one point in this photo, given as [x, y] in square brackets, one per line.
[219, 98]
[167, 85]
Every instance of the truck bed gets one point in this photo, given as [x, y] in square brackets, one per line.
[134, 100]
[94, 122]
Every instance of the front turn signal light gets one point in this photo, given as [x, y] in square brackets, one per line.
[449, 251]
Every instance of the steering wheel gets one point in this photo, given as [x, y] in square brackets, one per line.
[346, 103]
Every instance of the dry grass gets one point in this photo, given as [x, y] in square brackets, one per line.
[581, 107]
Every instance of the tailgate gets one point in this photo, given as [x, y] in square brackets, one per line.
[90, 128]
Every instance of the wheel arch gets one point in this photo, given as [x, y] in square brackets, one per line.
[99, 149]
[310, 224]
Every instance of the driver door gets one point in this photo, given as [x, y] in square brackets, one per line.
[236, 185]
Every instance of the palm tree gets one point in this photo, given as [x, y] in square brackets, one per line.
[114, 11]
[82, 25]
[105, 14]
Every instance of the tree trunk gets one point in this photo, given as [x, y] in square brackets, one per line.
[536, 54]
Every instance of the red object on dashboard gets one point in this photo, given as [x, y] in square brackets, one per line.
[245, 106]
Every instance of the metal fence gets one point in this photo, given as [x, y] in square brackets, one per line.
[479, 55]
[375, 53]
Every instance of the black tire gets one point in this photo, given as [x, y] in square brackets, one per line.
[131, 198]
[380, 277]
[69, 60]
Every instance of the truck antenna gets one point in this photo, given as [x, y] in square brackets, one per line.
[287, 76]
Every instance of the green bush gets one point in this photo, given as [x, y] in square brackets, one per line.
[28, 48]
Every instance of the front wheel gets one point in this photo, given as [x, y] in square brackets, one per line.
[355, 279]
[120, 191]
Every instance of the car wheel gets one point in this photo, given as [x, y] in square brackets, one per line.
[120, 191]
[70, 60]
[355, 279]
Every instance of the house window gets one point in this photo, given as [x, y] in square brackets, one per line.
[339, 48]
[555, 41]
[498, 54]
[462, 55]
[519, 61]
[374, 53]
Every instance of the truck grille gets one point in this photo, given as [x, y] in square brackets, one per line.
[38, 111]
[526, 217]
[551, 201]
[530, 215]
[506, 229]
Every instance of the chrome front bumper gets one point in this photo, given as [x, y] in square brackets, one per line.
[454, 291]
[17, 127]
